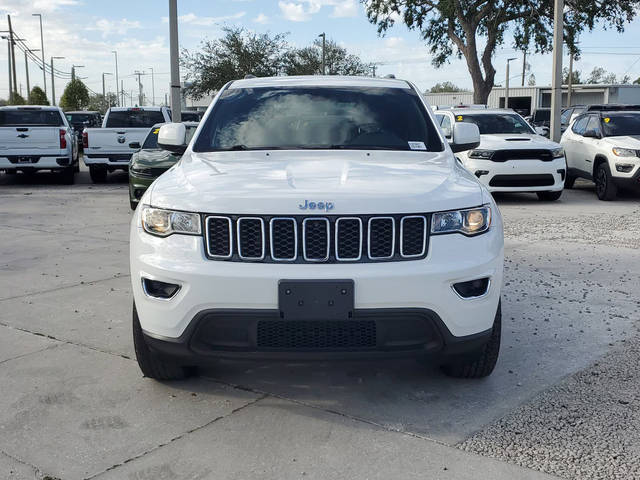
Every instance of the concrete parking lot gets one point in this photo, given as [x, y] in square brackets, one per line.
[563, 402]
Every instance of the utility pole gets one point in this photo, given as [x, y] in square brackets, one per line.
[324, 47]
[53, 83]
[9, 64]
[524, 65]
[73, 71]
[44, 73]
[117, 80]
[506, 90]
[570, 80]
[374, 67]
[121, 94]
[176, 105]
[556, 75]
[139, 87]
[153, 88]
[104, 95]
[13, 56]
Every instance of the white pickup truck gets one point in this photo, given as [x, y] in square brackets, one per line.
[110, 148]
[37, 138]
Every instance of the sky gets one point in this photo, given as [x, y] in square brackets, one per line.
[86, 32]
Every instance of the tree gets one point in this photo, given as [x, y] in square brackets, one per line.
[575, 77]
[445, 87]
[75, 96]
[600, 75]
[532, 80]
[636, 81]
[16, 99]
[99, 103]
[238, 53]
[38, 97]
[338, 61]
[473, 29]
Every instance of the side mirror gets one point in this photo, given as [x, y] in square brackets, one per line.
[466, 136]
[172, 137]
[447, 133]
[135, 145]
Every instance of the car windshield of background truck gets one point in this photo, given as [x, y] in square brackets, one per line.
[134, 118]
[495, 123]
[31, 118]
[318, 118]
[621, 124]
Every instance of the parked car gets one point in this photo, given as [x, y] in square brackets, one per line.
[604, 147]
[540, 118]
[107, 149]
[316, 217]
[191, 116]
[569, 114]
[36, 138]
[511, 157]
[150, 161]
[83, 119]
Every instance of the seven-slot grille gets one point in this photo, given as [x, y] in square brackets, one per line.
[317, 239]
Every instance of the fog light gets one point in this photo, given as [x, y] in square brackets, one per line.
[473, 288]
[624, 167]
[157, 289]
[479, 173]
[138, 192]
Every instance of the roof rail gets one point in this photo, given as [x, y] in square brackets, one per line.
[390, 75]
[248, 76]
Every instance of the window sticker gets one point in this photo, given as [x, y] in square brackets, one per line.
[459, 118]
[155, 132]
[417, 146]
[607, 120]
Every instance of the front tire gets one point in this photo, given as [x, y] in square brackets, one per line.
[98, 173]
[605, 188]
[152, 365]
[483, 363]
[68, 175]
[549, 196]
[569, 181]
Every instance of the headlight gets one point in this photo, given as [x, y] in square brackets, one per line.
[467, 222]
[486, 154]
[140, 170]
[163, 223]
[624, 152]
[557, 152]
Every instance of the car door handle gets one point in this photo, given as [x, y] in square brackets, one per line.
[589, 161]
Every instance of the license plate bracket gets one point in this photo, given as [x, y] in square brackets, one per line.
[316, 299]
[25, 159]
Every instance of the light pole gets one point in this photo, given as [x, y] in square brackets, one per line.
[176, 105]
[44, 74]
[506, 90]
[53, 83]
[26, 66]
[73, 71]
[324, 46]
[556, 70]
[104, 95]
[117, 80]
[153, 89]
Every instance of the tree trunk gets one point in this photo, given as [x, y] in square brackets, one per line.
[481, 89]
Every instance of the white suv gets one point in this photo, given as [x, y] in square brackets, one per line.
[511, 157]
[316, 217]
[604, 147]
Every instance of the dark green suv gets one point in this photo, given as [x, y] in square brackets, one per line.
[150, 161]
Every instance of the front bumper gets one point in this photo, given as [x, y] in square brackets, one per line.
[629, 180]
[251, 289]
[519, 175]
[138, 185]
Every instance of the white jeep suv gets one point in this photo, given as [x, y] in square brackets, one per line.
[316, 217]
[604, 147]
[511, 157]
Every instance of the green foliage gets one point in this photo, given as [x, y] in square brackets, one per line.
[16, 99]
[98, 103]
[240, 52]
[473, 29]
[75, 96]
[445, 87]
[576, 78]
[37, 97]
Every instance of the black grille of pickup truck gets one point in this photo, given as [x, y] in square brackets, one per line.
[316, 239]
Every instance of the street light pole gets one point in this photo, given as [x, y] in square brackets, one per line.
[324, 46]
[44, 73]
[53, 83]
[506, 89]
[26, 66]
[73, 71]
[117, 80]
[104, 95]
[153, 88]
[176, 105]
[556, 75]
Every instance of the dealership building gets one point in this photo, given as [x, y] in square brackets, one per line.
[526, 99]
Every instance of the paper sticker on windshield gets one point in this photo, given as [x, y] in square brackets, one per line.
[607, 120]
[417, 146]
[155, 132]
[459, 118]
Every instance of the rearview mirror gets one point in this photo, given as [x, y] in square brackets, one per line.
[466, 136]
[172, 137]
[135, 145]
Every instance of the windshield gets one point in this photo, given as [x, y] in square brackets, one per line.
[621, 124]
[90, 118]
[36, 118]
[151, 142]
[318, 117]
[134, 118]
[495, 123]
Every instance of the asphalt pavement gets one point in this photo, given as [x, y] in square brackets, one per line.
[75, 406]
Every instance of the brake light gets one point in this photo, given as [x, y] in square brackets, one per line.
[85, 140]
[63, 138]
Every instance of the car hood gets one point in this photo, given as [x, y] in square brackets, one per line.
[353, 182]
[520, 141]
[154, 159]
[627, 141]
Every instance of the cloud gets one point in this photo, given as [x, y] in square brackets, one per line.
[262, 19]
[303, 10]
[111, 27]
[193, 19]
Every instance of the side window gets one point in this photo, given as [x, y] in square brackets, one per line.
[579, 126]
[446, 126]
[566, 115]
[594, 124]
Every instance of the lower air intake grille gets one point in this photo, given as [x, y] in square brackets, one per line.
[316, 335]
[523, 180]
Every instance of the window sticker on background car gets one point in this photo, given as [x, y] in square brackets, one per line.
[155, 132]
[606, 120]
[459, 118]
[417, 145]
